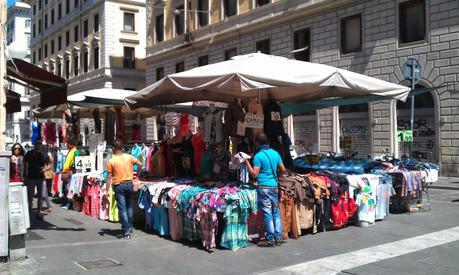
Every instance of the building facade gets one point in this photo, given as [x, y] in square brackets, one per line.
[368, 37]
[18, 35]
[92, 43]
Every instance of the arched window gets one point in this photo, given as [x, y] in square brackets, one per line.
[424, 129]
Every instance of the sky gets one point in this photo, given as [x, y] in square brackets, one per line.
[11, 2]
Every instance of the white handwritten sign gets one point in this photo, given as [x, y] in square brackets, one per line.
[83, 163]
[254, 121]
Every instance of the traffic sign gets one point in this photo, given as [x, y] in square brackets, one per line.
[412, 70]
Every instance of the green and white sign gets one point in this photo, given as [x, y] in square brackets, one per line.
[405, 136]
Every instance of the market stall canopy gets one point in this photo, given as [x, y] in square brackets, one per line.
[58, 110]
[52, 88]
[261, 75]
[302, 108]
[13, 102]
[100, 98]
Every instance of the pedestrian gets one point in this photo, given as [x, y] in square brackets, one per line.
[35, 162]
[120, 175]
[69, 169]
[48, 181]
[266, 163]
[17, 163]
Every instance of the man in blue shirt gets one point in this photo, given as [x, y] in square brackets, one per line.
[266, 162]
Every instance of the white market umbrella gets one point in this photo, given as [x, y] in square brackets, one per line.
[99, 98]
[257, 74]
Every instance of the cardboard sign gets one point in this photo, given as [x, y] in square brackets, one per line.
[83, 163]
[254, 121]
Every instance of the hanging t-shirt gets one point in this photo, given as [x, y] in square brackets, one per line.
[135, 152]
[366, 200]
[383, 194]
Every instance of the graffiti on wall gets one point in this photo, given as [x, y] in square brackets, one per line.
[423, 136]
[305, 132]
[355, 134]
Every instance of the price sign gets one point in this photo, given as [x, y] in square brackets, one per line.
[83, 163]
[405, 136]
[276, 116]
[254, 121]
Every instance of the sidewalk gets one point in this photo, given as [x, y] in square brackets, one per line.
[65, 238]
[446, 183]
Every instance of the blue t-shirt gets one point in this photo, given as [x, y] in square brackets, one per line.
[262, 159]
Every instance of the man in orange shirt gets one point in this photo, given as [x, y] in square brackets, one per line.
[120, 174]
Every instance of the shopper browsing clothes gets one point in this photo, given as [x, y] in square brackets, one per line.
[48, 181]
[35, 162]
[266, 162]
[120, 175]
[69, 169]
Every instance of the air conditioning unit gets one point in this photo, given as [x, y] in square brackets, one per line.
[188, 37]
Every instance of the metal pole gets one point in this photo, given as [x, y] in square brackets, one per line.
[412, 109]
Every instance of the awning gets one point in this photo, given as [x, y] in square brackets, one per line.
[13, 102]
[301, 108]
[52, 88]
[98, 98]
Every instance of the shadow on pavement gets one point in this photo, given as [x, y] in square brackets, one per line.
[110, 232]
[42, 224]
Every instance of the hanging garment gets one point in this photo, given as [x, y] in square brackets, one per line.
[50, 133]
[288, 214]
[113, 212]
[273, 124]
[136, 132]
[255, 108]
[135, 152]
[304, 215]
[36, 132]
[383, 193]
[199, 146]
[175, 224]
[213, 126]
[184, 124]
[234, 115]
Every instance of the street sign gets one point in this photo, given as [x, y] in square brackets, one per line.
[405, 136]
[412, 70]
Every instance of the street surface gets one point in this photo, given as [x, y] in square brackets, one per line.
[420, 243]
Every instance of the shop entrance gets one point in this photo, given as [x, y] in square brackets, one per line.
[355, 129]
[424, 129]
